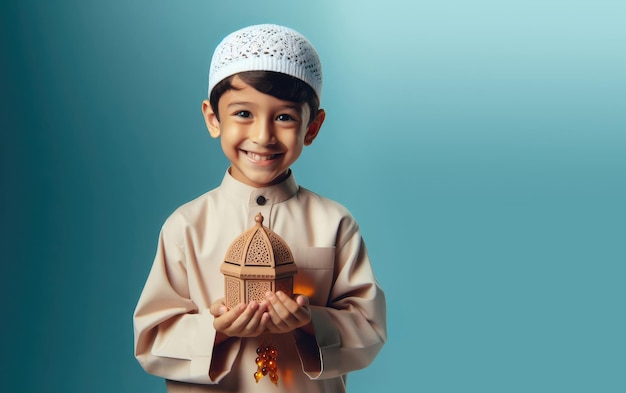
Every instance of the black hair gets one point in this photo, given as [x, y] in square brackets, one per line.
[282, 86]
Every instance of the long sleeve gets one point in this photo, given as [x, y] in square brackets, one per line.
[350, 329]
[174, 337]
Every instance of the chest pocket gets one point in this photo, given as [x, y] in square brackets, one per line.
[315, 273]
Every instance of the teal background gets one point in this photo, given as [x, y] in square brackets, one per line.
[481, 145]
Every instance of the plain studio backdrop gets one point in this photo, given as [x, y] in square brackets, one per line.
[481, 145]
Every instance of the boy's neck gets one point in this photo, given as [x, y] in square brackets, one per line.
[276, 181]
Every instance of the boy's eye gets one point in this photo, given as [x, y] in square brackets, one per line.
[284, 117]
[244, 114]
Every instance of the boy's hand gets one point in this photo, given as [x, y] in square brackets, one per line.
[287, 314]
[242, 321]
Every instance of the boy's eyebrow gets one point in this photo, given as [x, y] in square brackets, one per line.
[236, 103]
[296, 107]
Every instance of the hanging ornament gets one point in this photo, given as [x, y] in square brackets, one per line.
[266, 361]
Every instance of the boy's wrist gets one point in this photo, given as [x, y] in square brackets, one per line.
[220, 338]
[307, 329]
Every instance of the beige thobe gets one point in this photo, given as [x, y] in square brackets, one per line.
[174, 333]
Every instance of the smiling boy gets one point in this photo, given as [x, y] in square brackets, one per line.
[261, 135]
[264, 91]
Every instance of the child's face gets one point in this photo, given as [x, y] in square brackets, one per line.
[260, 134]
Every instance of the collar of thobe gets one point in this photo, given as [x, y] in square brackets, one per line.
[270, 195]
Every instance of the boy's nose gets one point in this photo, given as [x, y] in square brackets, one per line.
[263, 134]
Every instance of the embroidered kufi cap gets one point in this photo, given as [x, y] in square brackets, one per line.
[267, 47]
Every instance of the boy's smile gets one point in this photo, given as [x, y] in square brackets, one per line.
[261, 135]
[257, 157]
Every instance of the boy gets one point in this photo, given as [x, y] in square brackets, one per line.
[264, 88]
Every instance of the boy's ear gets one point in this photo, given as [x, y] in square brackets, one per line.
[210, 118]
[314, 127]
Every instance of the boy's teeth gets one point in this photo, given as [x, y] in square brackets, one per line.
[258, 157]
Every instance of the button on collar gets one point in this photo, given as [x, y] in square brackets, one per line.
[261, 200]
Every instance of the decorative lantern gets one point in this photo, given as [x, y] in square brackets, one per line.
[256, 262]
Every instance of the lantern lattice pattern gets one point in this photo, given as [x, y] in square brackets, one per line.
[256, 262]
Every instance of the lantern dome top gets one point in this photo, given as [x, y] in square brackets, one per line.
[259, 246]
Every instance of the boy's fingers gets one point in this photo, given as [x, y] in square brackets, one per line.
[218, 308]
[226, 319]
[219, 311]
[276, 308]
[302, 301]
[256, 324]
[250, 321]
[286, 313]
[297, 307]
